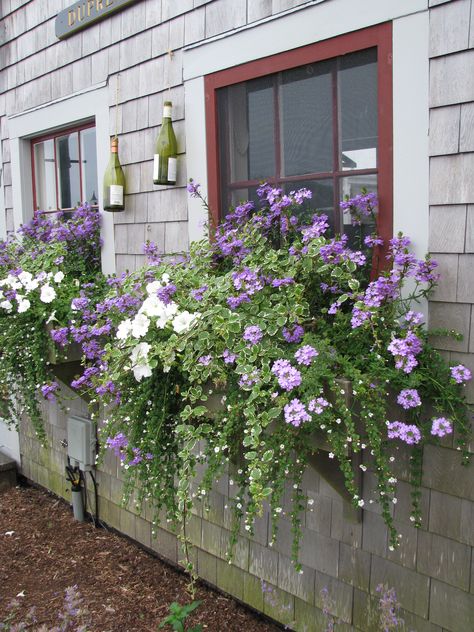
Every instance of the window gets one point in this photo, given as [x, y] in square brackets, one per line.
[65, 169]
[318, 117]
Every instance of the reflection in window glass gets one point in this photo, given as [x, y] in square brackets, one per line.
[306, 120]
[45, 178]
[350, 187]
[322, 200]
[89, 165]
[69, 184]
[358, 110]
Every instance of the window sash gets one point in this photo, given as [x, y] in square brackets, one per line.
[37, 168]
[379, 37]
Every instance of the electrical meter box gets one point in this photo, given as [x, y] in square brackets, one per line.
[81, 442]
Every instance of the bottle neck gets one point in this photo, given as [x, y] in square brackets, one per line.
[114, 146]
[166, 113]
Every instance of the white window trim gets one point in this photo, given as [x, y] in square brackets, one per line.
[311, 24]
[39, 121]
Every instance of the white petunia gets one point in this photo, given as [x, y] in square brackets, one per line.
[23, 304]
[140, 371]
[47, 294]
[25, 278]
[124, 329]
[153, 287]
[6, 305]
[183, 321]
[165, 277]
[167, 315]
[152, 306]
[140, 325]
[58, 277]
[140, 353]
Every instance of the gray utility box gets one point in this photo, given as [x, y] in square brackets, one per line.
[81, 442]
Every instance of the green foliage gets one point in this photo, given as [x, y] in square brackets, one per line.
[178, 615]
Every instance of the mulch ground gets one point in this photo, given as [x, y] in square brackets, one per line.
[43, 550]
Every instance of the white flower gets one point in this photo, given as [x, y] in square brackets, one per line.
[139, 358]
[152, 306]
[58, 277]
[25, 277]
[140, 353]
[124, 329]
[140, 325]
[47, 294]
[52, 317]
[361, 503]
[141, 370]
[182, 322]
[152, 288]
[165, 277]
[23, 304]
[168, 313]
[6, 305]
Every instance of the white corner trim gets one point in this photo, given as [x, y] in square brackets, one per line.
[410, 129]
[196, 156]
[89, 104]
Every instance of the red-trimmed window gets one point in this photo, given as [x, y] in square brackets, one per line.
[64, 167]
[318, 117]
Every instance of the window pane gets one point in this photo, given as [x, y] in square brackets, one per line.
[322, 200]
[307, 120]
[45, 179]
[246, 131]
[358, 110]
[351, 186]
[67, 158]
[89, 166]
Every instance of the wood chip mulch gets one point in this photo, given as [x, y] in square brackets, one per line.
[43, 550]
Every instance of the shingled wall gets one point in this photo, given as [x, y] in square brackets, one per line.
[433, 570]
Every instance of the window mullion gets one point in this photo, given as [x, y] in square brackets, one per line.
[277, 126]
[335, 128]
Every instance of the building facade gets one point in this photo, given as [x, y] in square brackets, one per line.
[332, 94]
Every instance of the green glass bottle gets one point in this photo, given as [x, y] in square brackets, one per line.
[114, 181]
[164, 163]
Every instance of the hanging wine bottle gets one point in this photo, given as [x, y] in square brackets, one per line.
[114, 181]
[164, 164]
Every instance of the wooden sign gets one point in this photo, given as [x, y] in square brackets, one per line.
[84, 13]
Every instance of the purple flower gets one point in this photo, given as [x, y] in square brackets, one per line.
[373, 240]
[248, 380]
[288, 377]
[305, 355]
[150, 249]
[414, 318]
[228, 356]
[235, 301]
[394, 429]
[193, 188]
[360, 206]
[137, 457]
[199, 293]
[205, 360]
[441, 427]
[60, 336]
[318, 405]
[404, 351]
[359, 317]
[247, 281]
[118, 444]
[48, 391]
[318, 227]
[410, 434]
[253, 334]
[409, 398]
[165, 293]
[295, 413]
[295, 334]
[281, 282]
[460, 374]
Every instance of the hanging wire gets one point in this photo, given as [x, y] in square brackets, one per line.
[117, 85]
